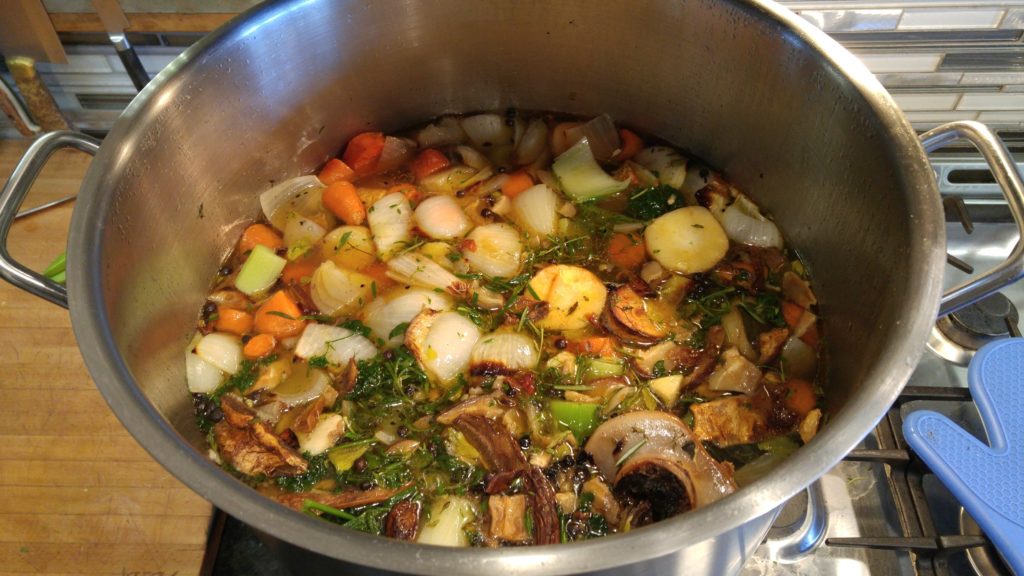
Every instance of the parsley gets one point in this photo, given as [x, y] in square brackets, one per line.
[653, 201]
[398, 330]
[319, 468]
[385, 376]
[766, 308]
[318, 361]
[357, 327]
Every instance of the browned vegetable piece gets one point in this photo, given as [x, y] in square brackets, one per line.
[403, 521]
[626, 318]
[798, 290]
[308, 416]
[236, 412]
[508, 517]
[770, 343]
[489, 406]
[543, 506]
[728, 421]
[605, 503]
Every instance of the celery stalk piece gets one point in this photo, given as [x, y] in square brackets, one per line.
[578, 417]
[259, 271]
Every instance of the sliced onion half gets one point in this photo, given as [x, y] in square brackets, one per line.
[299, 195]
[503, 352]
[442, 342]
[223, 351]
[798, 359]
[301, 386]
[536, 209]
[383, 316]
[418, 270]
[487, 130]
[202, 377]
[444, 132]
[497, 250]
[338, 291]
[669, 165]
[390, 220]
[337, 344]
[743, 223]
[441, 218]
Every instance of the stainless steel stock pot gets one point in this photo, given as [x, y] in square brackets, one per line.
[792, 117]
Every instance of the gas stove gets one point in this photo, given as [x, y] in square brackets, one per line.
[881, 511]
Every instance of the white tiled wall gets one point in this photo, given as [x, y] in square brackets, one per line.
[907, 43]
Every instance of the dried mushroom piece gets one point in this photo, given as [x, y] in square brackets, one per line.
[250, 445]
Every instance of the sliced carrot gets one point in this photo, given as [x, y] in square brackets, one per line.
[791, 313]
[279, 316]
[516, 183]
[259, 234]
[378, 271]
[259, 346]
[342, 200]
[799, 396]
[428, 162]
[335, 171]
[626, 251]
[592, 346]
[363, 152]
[301, 270]
[631, 144]
[410, 191]
[233, 320]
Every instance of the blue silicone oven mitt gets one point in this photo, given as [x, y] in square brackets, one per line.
[988, 480]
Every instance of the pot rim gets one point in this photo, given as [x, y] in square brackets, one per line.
[764, 497]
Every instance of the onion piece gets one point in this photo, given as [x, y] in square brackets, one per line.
[418, 270]
[669, 165]
[442, 342]
[536, 210]
[533, 142]
[736, 333]
[451, 180]
[445, 132]
[325, 434]
[581, 177]
[202, 377]
[498, 250]
[487, 130]
[503, 352]
[798, 359]
[337, 344]
[301, 386]
[687, 240]
[396, 152]
[390, 220]
[472, 158]
[383, 316]
[449, 517]
[300, 195]
[441, 218]
[349, 247]
[735, 374]
[301, 234]
[744, 223]
[222, 350]
[602, 135]
[337, 291]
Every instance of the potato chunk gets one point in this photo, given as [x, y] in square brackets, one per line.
[687, 240]
[574, 296]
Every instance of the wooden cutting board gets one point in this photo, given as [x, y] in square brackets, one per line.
[78, 495]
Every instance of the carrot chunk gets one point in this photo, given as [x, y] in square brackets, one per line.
[233, 320]
[631, 145]
[791, 313]
[259, 234]
[410, 191]
[592, 346]
[363, 152]
[279, 316]
[335, 171]
[428, 162]
[516, 183]
[342, 200]
[301, 270]
[799, 396]
[259, 346]
[626, 251]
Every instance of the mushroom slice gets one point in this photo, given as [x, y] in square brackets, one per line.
[490, 406]
[402, 522]
[636, 445]
[629, 309]
[442, 342]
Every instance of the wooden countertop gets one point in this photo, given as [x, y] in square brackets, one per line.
[78, 495]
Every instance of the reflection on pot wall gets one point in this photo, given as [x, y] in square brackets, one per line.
[942, 60]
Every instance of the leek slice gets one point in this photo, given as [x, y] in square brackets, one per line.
[581, 177]
[259, 271]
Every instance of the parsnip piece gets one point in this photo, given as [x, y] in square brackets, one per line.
[687, 240]
[574, 296]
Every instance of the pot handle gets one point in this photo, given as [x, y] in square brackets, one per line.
[1005, 172]
[13, 194]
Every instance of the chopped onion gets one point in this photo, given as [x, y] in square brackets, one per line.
[736, 333]
[222, 350]
[669, 165]
[581, 177]
[536, 209]
[734, 374]
[396, 152]
[300, 195]
[337, 344]
[300, 234]
[301, 386]
[487, 130]
[337, 291]
[202, 377]
[798, 359]
[442, 342]
[383, 316]
[743, 223]
[390, 220]
[441, 218]
[447, 522]
[444, 132]
[451, 180]
[418, 270]
[472, 158]
[533, 142]
[602, 135]
[497, 251]
[503, 352]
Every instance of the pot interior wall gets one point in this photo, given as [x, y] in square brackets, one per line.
[274, 100]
